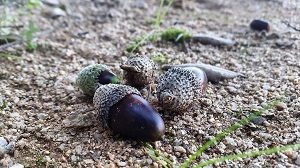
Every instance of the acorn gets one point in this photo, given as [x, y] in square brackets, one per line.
[92, 76]
[201, 75]
[139, 71]
[260, 25]
[123, 110]
[179, 88]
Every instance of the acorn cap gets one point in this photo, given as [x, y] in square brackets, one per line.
[178, 89]
[88, 78]
[139, 70]
[108, 95]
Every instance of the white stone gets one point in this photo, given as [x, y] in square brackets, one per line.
[3, 141]
[18, 165]
[179, 149]
[122, 164]
[297, 161]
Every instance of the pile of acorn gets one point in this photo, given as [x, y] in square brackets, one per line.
[121, 106]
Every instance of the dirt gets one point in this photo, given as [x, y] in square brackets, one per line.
[41, 92]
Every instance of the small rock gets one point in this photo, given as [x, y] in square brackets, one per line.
[142, 4]
[57, 12]
[266, 86]
[70, 88]
[273, 36]
[61, 147]
[88, 161]
[297, 161]
[206, 102]
[231, 141]
[3, 142]
[281, 106]
[80, 120]
[9, 149]
[179, 149]
[122, 164]
[258, 120]
[51, 2]
[41, 116]
[234, 107]
[284, 43]
[73, 158]
[17, 165]
[231, 89]
[149, 161]
[212, 40]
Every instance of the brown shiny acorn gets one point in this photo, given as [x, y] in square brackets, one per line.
[92, 76]
[123, 110]
[260, 25]
[201, 75]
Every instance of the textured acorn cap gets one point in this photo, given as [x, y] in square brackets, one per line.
[178, 89]
[87, 78]
[139, 70]
[108, 95]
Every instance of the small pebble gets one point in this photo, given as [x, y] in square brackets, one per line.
[17, 165]
[206, 102]
[212, 40]
[73, 158]
[57, 12]
[297, 161]
[70, 88]
[232, 89]
[122, 164]
[258, 120]
[88, 161]
[61, 147]
[281, 106]
[284, 43]
[179, 149]
[51, 2]
[41, 116]
[3, 142]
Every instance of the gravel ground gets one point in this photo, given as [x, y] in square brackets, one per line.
[41, 92]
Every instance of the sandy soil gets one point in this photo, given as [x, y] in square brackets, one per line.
[41, 92]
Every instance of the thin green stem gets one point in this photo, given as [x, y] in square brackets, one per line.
[166, 10]
[220, 136]
[141, 41]
[161, 155]
[157, 20]
[249, 154]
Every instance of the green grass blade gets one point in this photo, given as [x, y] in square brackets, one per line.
[224, 133]
[161, 155]
[158, 15]
[249, 154]
[141, 41]
[165, 11]
[10, 56]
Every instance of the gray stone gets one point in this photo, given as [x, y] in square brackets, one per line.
[17, 165]
[122, 164]
[57, 12]
[258, 120]
[73, 158]
[3, 142]
[297, 161]
[212, 40]
[51, 2]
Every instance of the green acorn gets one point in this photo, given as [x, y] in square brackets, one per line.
[93, 76]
